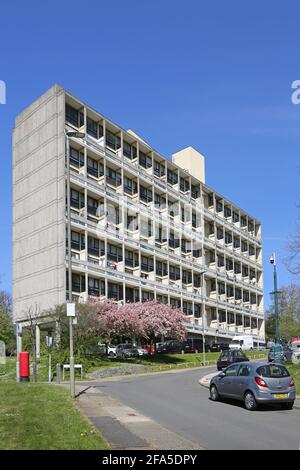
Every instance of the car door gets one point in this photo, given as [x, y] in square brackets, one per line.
[228, 382]
[242, 381]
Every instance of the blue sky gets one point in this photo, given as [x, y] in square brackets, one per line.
[214, 75]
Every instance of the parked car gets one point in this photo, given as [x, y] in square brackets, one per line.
[124, 351]
[229, 357]
[111, 350]
[242, 342]
[295, 349]
[170, 346]
[255, 383]
[286, 354]
[142, 351]
[192, 345]
[218, 347]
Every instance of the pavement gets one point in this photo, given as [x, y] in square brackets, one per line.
[123, 427]
[171, 411]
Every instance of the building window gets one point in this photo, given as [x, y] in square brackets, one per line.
[147, 264]
[195, 191]
[251, 250]
[127, 150]
[78, 283]
[161, 268]
[73, 116]
[114, 253]
[184, 185]
[76, 158]
[92, 128]
[219, 206]
[115, 291]
[245, 271]
[174, 273]
[77, 199]
[244, 246]
[144, 160]
[237, 268]
[159, 169]
[172, 177]
[228, 238]
[93, 246]
[112, 141]
[229, 291]
[235, 217]
[145, 194]
[77, 241]
[146, 296]
[221, 288]
[93, 167]
[220, 233]
[186, 277]
[92, 205]
[175, 302]
[243, 221]
[229, 264]
[236, 242]
[130, 186]
[227, 212]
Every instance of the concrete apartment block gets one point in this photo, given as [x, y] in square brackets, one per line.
[39, 205]
[142, 226]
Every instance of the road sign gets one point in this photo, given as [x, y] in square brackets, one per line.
[71, 310]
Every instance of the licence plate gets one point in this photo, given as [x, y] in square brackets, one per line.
[281, 395]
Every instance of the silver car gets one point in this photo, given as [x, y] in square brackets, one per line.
[255, 383]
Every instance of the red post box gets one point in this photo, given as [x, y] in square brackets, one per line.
[24, 366]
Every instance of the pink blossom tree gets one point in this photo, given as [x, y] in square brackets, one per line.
[149, 320]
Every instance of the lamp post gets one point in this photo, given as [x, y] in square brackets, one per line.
[278, 347]
[70, 305]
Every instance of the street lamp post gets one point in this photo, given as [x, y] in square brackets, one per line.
[278, 347]
[70, 306]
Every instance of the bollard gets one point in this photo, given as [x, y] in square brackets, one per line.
[24, 366]
[58, 373]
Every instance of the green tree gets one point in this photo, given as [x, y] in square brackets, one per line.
[6, 324]
[289, 314]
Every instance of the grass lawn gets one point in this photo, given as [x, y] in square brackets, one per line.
[161, 362]
[38, 416]
[156, 363]
[294, 370]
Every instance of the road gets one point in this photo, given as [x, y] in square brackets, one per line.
[177, 402]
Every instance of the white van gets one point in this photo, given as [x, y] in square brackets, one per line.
[242, 343]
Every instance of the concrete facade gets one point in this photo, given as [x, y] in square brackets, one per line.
[143, 227]
[38, 205]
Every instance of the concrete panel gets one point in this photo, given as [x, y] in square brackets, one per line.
[38, 204]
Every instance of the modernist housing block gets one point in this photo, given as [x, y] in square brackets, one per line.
[142, 226]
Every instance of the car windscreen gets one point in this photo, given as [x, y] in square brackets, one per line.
[273, 371]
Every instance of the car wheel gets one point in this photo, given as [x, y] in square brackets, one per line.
[214, 394]
[111, 354]
[250, 402]
[287, 406]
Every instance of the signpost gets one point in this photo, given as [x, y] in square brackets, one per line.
[71, 314]
[49, 342]
[2, 358]
[278, 347]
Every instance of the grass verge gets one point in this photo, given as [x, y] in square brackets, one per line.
[40, 417]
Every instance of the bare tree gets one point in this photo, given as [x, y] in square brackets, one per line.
[293, 260]
[33, 317]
